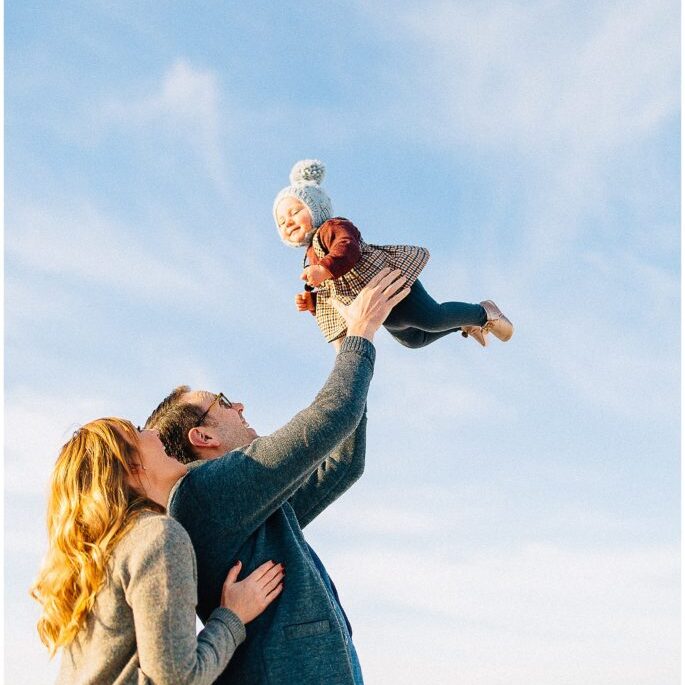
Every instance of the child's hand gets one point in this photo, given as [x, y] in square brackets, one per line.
[316, 274]
[247, 598]
[305, 302]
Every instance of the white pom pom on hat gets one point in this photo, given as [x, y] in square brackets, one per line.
[307, 170]
[305, 178]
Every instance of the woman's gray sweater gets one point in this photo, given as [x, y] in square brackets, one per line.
[142, 626]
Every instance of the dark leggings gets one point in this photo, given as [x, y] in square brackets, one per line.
[419, 320]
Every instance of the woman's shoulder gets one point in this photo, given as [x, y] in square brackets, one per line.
[154, 546]
[158, 522]
[152, 531]
[162, 526]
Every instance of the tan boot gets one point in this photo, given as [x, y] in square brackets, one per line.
[497, 323]
[475, 332]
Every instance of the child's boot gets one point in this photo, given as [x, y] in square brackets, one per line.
[497, 323]
[475, 332]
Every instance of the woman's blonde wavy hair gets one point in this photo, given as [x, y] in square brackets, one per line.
[90, 508]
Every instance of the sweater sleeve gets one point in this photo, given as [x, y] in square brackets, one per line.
[253, 482]
[341, 239]
[160, 586]
[336, 474]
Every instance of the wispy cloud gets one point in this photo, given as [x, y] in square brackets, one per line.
[454, 397]
[186, 106]
[508, 528]
[81, 243]
[496, 78]
[155, 260]
[557, 107]
[497, 593]
[517, 616]
[602, 349]
[37, 427]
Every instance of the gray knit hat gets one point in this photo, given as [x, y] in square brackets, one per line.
[305, 179]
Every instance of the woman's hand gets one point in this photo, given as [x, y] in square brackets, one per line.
[247, 598]
[315, 275]
[365, 314]
[305, 302]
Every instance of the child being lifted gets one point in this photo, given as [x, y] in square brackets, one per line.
[339, 263]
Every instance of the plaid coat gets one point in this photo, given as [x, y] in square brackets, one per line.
[409, 258]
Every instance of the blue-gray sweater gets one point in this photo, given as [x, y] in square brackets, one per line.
[252, 503]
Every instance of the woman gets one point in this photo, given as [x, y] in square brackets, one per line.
[118, 586]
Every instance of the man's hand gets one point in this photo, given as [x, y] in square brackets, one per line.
[365, 314]
[305, 302]
[315, 275]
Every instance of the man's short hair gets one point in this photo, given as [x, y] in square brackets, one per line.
[173, 418]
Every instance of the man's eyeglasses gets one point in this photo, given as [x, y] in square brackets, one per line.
[223, 402]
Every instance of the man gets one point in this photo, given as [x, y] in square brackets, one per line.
[251, 503]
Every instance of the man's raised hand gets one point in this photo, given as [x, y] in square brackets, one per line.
[365, 314]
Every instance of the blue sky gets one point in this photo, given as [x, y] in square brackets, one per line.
[518, 518]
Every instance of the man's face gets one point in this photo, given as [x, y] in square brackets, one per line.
[226, 424]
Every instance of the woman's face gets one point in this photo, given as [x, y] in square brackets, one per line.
[152, 459]
[294, 220]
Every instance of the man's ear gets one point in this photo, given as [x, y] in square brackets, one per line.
[201, 437]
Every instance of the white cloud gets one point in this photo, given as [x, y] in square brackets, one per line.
[532, 614]
[371, 519]
[24, 547]
[28, 302]
[187, 106]
[556, 95]
[27, 661]
[658, 285]
[434, 386]
[81, 243]
[36, 426]
[157, 260]
[539, 73]
[598, 351]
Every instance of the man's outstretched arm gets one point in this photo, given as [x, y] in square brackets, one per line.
[332, 477]
[254, 481]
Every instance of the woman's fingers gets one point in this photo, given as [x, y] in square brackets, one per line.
[271, 584]
[232, 576]
[270, 596]
[260, 571]
[272, 573]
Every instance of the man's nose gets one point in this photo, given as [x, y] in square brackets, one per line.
[238, 406]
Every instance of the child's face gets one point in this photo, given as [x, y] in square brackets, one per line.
[294, 220]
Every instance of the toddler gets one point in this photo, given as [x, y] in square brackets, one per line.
[338, 263]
